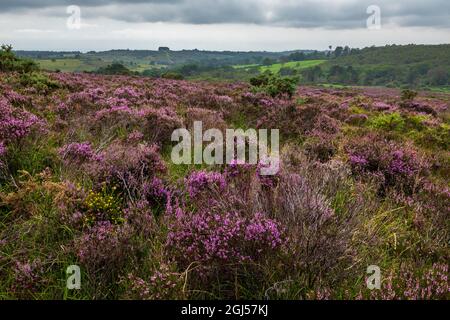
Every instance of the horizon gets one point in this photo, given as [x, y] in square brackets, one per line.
[207, 50]
[250, 25]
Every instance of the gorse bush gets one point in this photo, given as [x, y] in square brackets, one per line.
[38, 81]
[10, 62]
[274, 85]
[103, 206]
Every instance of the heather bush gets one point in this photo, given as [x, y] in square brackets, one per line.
[16, 123]
[311, 226]
[200, 181]
[158, 124]
[163, 284]
[363, 180]
[321, 147]
[411, 284]
[28, 278]
[78, 153]
[108, 121]
[215, 244]
[357, 119]
[210, 119]
[418, 107]
[400, 167]
[104, 250]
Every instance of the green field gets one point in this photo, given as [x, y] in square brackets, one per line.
[245, 66]
[440, 89]
[83, 64]
[71, 64]
[297, 65]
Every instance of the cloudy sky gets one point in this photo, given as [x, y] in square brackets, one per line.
[272, 25]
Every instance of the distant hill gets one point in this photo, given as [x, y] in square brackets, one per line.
[416, 66]
[140, 60]
[395, 55]
[410, 65]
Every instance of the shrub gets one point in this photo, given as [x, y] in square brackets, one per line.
[274, 86]
[158, 124]
[162, 284]
[103, 206]
[217, 242]
[357, 119]
[399, 166]
[104, 249]
[310, 223]
[199, 181]
[321, 147]
[409, 284]
[28, 277]
[115, 69]
[78, 153]
[10, 62]
[391, 121]
[408, 95]
[172, 76]
[16, 123]
[39, 81]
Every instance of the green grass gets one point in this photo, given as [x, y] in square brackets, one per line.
[440, 89]
[71, 64]
[334, 86]
[245, 66]
[297, 65]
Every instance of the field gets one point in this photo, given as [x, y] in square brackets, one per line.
[87, 179]
[296, 65]
[79, 65]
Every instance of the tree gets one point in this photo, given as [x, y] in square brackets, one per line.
[268, 61]
[115, 69]
[438, 76]
[338, 52]
[312, 74]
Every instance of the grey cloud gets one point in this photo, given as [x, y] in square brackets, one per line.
[288, 13]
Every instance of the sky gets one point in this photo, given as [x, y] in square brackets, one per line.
[238, 25]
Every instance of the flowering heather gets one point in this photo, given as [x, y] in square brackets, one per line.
[79, 153]
[2, 149]
[214, 240]
[399, 166]
[127, 166]
[159, 124]
[432, 284]
[104, 246]
[162, 284]
[363, 180]
[16, 99]
[129, 93]
[16, 123]
[199, 181]
[27, 277]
